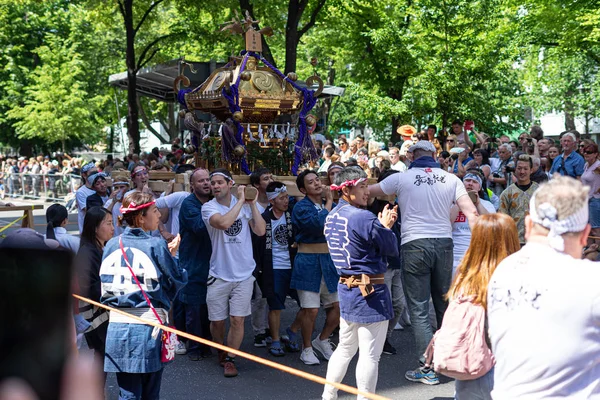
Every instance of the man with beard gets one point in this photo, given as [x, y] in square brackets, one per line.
[514, 201]
[194, 256]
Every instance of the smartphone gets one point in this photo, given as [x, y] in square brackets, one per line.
[37, 331]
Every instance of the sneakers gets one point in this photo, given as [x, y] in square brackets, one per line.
[308, 357]
[423, 375]
[388, 348]
[323, 347]
[260, 340]
[229, 369]
[180, 348]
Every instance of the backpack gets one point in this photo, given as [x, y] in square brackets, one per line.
[459, 349]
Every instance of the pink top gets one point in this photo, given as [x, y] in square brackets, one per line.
[591, 177]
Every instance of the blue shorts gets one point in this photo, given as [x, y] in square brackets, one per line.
[281, 287]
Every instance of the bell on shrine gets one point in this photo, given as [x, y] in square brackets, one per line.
[239, 151]
[311, 120]
[238, 116]
[246, 76]
[292, 76]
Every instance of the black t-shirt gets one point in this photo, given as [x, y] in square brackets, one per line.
[524, 188]
[94, 201]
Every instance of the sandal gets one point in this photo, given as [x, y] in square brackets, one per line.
[276, 351]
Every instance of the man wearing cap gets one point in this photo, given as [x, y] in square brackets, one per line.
[359, 242]
[230, 284]
[461, 231]
[84, 192]
[274, 256]
[425, 195]
[98, 185]
[515, 199]
[120, 182]
[544, 303]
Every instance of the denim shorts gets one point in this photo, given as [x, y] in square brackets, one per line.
[281, 287]
[594, 207]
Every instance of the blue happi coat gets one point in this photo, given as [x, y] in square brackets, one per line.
[309, 221]
[130, 347]
[359, 244]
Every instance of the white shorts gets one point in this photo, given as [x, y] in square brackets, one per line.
[310, 299]
[226, 299]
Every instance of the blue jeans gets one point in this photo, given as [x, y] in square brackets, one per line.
[594, 208]
[476, 389]
[139, 386]
[427, 273]
[197, 324]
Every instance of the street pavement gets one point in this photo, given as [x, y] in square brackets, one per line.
[184, 379]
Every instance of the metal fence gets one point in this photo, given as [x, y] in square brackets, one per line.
[52, 187]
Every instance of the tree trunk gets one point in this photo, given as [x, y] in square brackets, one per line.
[133, 124]
[291, 35]
[569, 120]
[396, 95]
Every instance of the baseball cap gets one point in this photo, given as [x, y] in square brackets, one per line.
[423, 145]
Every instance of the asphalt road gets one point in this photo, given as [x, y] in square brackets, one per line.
[185, 379]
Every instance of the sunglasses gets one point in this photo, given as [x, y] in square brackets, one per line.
[589, 152]
[451, 140]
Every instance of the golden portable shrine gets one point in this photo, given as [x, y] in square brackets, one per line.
[263, 114]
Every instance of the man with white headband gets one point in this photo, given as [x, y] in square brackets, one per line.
[461, 231]
[359, 242]
[274, 256]
[230, 282]
[84, 192]
[544, 303]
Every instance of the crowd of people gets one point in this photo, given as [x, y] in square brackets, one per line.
[452, 218]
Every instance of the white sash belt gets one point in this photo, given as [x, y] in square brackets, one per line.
[144, 313]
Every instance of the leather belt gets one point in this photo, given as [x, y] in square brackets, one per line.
[364, 282]
[314, 248]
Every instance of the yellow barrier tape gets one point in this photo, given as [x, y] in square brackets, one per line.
[5, 227]
[268, 363]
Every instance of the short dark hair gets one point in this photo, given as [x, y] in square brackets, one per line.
[330, 151]
[432, 127]
[457, 122]
[221, 171]
[255, 176]
[303, 174]
[525, 158]
[274, 185]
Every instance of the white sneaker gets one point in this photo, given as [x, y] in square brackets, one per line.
[308, 357]
[323, 347]
[180, 348]
[398, 327]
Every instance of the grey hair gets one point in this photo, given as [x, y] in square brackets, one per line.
[506, 146]
[564, 193]
[349, 174]
[536, 161]
[571, 135]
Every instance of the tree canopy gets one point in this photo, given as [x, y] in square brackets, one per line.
[401, 61]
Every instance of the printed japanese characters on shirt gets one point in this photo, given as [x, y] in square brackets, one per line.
[122, 281]
[336, 233]
[430, 179]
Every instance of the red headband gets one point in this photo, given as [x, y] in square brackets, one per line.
[134, 207]
[348, 183]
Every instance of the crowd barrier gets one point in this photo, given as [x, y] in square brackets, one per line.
[54, 187]
[280, 367]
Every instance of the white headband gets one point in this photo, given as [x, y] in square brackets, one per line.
[546, 215]
[227, 177]
[277, 192]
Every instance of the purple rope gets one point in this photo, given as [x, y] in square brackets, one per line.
[181, 96]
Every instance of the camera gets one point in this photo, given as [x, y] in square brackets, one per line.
[496, 175]
[509, 169]
[529, 139]
[454, 156]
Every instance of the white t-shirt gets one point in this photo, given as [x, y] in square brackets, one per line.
[425, 196]
[399, 166]
[66, 240]
[544, 326]
[232, 258]
[461, 233]
[81, 196]
[281, 254]
[260, 208]
[173, 203]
